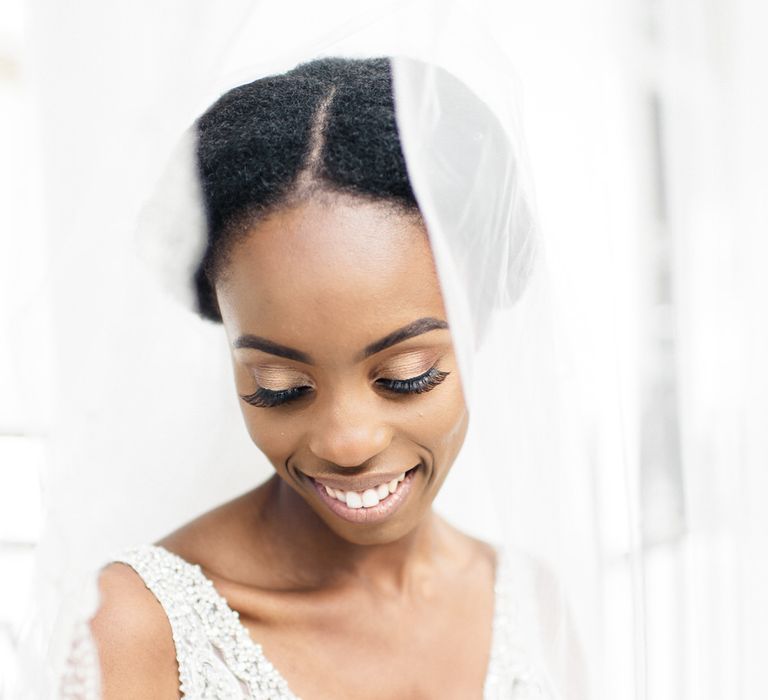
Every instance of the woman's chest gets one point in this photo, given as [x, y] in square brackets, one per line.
[422, 648]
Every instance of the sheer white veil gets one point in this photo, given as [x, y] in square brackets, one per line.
[154, 436]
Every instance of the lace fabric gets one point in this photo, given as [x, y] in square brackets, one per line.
[80, 680]
[218, 659]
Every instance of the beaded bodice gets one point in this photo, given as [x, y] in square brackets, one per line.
[218, 659]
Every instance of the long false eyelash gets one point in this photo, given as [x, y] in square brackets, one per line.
[415, 385]
[266, 398]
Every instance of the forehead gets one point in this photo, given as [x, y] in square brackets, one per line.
[330, 273]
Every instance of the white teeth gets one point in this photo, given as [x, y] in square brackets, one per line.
[354, 500]
[368, 498]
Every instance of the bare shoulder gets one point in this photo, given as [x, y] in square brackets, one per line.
[229, 540]
[133, 638]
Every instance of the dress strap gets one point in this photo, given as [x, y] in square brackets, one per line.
[216, 656]
[512, 674]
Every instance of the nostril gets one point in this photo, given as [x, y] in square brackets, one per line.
[349, 446]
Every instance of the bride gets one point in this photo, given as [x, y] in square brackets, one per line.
[335, 578]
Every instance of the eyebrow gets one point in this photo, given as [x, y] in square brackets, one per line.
[256, 342]
[422, 325]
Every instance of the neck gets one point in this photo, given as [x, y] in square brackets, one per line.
[309, 553]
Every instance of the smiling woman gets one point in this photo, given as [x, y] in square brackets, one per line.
[319, 265]
[348, 380]
[428, 448]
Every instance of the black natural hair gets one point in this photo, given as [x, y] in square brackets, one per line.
[326, 126]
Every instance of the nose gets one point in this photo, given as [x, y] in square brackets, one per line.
[349, 432]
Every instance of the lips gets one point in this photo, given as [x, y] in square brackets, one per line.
[360, 483]
[365, 500]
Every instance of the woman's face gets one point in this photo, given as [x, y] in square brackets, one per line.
[344, 362]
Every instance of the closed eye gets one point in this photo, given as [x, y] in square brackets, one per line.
[267, 398]
[414, 385]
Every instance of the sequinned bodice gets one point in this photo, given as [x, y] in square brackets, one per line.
[218, 659]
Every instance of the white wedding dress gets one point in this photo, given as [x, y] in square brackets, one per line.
[218, 659]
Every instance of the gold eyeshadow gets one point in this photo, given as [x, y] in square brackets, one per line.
[402, 366]
[279, 378]
[407, 364]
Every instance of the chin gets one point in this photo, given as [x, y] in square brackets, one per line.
[379, 534]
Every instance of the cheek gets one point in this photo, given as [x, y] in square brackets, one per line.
[454, 421]
[440, 422]
[268, 431]
[439, 425]
[270, 434]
